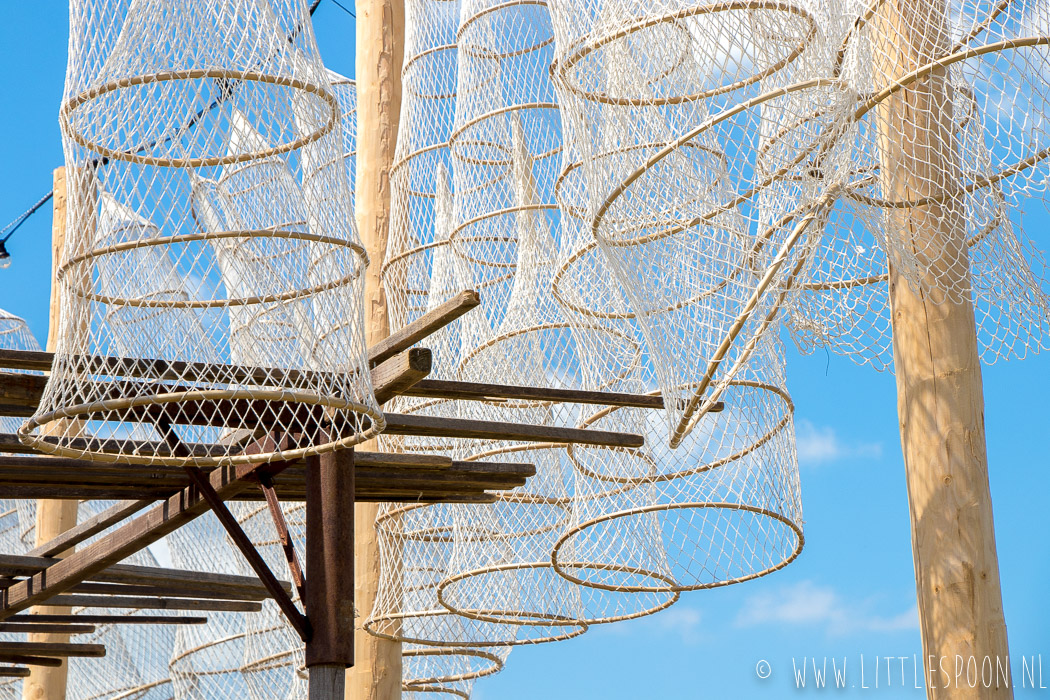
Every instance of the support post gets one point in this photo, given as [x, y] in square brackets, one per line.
[330, 571]
[53, 517]
[376, 674]
[940, 399]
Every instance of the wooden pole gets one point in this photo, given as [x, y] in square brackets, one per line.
[53, 517]
[329, 571]
[939, 392]
[376, 674]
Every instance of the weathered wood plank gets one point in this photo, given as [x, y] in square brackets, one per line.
[54, 627]
[89, 528]
[430, 426]
[111, 619]
[149, 603]
[15, 671]
[426, 325]
[53, 649]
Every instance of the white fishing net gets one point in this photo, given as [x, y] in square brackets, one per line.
[215, 229]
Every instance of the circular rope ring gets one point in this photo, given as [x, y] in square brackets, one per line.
[66, 113]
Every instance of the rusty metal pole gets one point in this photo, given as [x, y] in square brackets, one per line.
[330, 571]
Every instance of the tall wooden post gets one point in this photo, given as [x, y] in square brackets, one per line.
[376, 674]
[940, 398]
[329, 571]
[53, 517]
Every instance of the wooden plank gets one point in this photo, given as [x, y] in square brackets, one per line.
[475, 391]
[430, 426]
[235, 586]
[423, 327]
[165, 591]
[399, 372]
[138, 533]
[111, 619]
[20, 393]
[14, 672]
[9, 443]
[49, 661]
[88, 528]
[56, 627]
[148, 603]
[61, 649]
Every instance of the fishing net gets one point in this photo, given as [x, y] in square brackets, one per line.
[207, 660]
[697, 126]
[135, 666]
[970, 152]
[234, 185]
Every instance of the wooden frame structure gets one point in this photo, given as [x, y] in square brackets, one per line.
[170, 497]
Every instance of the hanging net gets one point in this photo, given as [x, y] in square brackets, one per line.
[696, 124]
[975, 88]
[215, 236]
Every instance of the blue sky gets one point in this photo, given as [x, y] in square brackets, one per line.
[850, 593]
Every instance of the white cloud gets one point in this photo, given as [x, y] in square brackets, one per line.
[807, 603]
[821, 445]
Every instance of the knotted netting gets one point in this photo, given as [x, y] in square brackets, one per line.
[274, 662]
[967, 157]
[135, 666]
[207, 660]
[203, 144]
[696, 125]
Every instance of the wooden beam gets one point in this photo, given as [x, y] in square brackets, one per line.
[110, 619]
[53, 649]
[9, 443]
[424, 326]
[150, 603]
[14, 672]
[20, 393]
[144, 530]
[62, 628]
[430, 426]
[475, 391]
[48, 661]
[88, 528]
[75, 195]
[234, 586]
[380, 28]
[329, 571]
[400, 372]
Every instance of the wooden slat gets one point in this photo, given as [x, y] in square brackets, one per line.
[399, 372]
[10, 444]
[475, 391]
[135, 535]
[59, 649]
[430, 426]
[54, 627]
[51, 661]
[88, 528]
[164, 591]
[426, 325]
[232, 585]
[15, 671]
[111, 619]
[148, 603]
[20, 393]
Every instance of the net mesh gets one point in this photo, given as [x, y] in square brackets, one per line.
[215, 234]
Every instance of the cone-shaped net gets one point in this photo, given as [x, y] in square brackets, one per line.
[973, 88]
[697, 126]
[209, 226]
